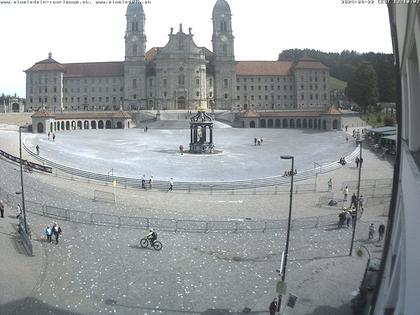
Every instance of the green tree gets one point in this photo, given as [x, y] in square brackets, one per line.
[363, 87]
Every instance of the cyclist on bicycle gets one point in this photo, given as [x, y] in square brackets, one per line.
[152, 236]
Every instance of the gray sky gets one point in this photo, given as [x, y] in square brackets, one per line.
[262, 29]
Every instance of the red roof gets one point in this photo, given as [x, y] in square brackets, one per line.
[85, 69]
[151, 53]
[94, 69]
[42, 113]
[48, 64]
[332, 110]
[309, 63]
[263, 67]
[92, 115]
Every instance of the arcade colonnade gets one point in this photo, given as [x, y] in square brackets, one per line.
[305, 123]
[44, 121]
[325, 120]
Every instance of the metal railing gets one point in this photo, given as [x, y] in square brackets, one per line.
[27, 163]
[210, 186]
[174, 225]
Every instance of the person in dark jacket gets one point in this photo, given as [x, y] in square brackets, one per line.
[381, 231]
[273, 307]
[56, 232]
[353, 200]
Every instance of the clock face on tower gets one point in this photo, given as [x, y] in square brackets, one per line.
[134, 38]
[223, 38]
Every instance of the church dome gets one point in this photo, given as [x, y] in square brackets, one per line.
[135, 7]
[221, 6]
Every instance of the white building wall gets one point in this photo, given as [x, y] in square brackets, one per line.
[399, 291]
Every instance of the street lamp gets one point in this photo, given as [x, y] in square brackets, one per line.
[359, 142]
[284, 263]
[21, 178]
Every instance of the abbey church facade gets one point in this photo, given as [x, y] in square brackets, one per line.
[179, 75]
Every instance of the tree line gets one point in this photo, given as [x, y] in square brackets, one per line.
[370, 76]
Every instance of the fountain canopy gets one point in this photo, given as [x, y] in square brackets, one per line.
[201, 132]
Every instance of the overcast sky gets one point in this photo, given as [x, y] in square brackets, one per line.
[262, 29]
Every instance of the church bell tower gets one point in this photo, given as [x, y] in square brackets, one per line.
[224, 56]
[135, 61]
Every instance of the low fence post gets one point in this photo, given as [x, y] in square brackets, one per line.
[265, 226]
[207, 227]
[176, 225]
[236, 226]
[275, 190]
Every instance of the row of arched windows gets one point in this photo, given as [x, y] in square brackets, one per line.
[80, 124]
[293, 123]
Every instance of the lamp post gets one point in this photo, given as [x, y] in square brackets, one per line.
[286, 253]
[21, 178]
[359, 141]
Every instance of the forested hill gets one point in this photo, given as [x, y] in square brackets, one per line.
[343, 66]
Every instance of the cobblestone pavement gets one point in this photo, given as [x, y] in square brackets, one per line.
[97, 269]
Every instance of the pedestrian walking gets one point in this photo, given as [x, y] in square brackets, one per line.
[37, 149]
[348, 218]
[171, 184]
[360, 162]
[2, 208]
[49, 135]
[143, 182]
[353, 201]
[357, 162]
[53, 136]
[273, 307]
[341, 218]
[346, 193]
[381, 231]
[353, 216]
[18, 211]
[56, 232]
[48, 233]
[151, 182]
[255, 141]
[361, 200]
[371, 231]
[347, 139]
[330, 184]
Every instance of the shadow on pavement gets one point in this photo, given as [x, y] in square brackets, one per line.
[32, 306]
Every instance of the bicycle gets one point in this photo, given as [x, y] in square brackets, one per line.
[145, 242]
